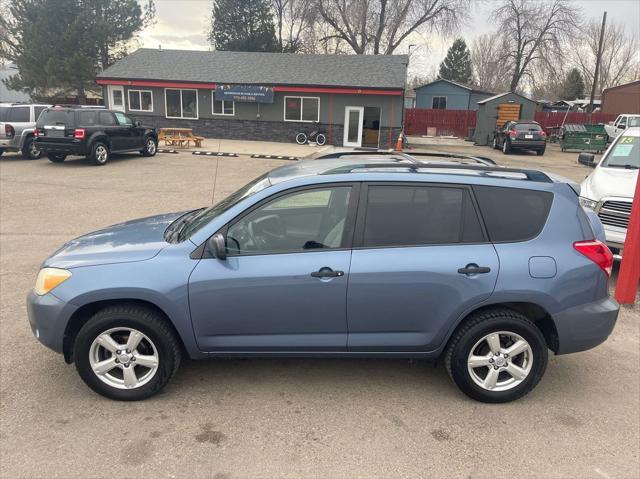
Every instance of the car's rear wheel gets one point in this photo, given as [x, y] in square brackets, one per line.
[150, 147]
[495, 143]
[30, 150]
[126, 352]
[99, 153]
[1, 151]
[56, 157]
[496, 356]
[506, 147]
[540, 152]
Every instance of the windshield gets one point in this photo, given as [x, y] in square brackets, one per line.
[56, 117]
[624, 154]
[205, 216]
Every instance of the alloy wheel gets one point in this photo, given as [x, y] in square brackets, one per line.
[500, 361]
[124, 358]
[151, 146]
[101, 154]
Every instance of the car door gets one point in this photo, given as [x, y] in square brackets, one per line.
[283, 285]
[420, 259]
[125, 133]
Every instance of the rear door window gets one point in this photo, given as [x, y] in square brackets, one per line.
[107, 119]
[87, 118]
[513, 214]
[419, 215]
[19, 114]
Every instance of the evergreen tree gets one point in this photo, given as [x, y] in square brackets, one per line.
[243, 26]
[457, 64]
[573, 86]
[63, 44]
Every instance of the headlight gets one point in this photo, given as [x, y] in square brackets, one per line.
[587, 203]
[49, 278]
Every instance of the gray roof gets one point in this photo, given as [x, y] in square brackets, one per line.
[471, 88]
[487, 100]
[367, 71]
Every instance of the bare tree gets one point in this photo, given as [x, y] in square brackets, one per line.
[294, 19]
[620, 60]
[380, 26]
[4, 39]
[491, 66]
[532, 29]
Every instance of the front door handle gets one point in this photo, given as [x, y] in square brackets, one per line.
[474, 269]
[327, 272]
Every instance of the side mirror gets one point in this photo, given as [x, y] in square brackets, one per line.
[138, 123]
[587, 159]
[217, 246]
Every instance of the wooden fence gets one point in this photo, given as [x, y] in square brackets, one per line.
[419, 121]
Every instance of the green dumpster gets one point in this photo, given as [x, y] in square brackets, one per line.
[583, 138]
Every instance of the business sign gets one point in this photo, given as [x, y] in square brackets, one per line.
[244, 93]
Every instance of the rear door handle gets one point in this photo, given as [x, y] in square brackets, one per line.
[474, 269]
[327, 272]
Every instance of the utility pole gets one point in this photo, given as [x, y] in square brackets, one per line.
[598, 59]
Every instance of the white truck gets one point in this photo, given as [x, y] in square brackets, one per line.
[609, 189]
[623, 122]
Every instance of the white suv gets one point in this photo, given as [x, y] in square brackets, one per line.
[609, 189]
[17, 122]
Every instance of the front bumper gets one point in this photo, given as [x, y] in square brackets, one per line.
[48, 317]
[586, 326]
[615, 236]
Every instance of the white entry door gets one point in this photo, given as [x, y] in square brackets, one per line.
[116, 97]
[353, 116]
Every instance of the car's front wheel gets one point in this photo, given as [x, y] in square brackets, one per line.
[496, 356]
[30, 150]
[126, 352]
[99, 153]
[495, 143]
[506, 147]
[150, 147]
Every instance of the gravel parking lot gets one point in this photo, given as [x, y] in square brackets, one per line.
[279, 418]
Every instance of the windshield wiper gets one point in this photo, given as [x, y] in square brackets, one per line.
[175, 228]
[626, 166]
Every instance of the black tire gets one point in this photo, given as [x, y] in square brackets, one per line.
[100, 153]
[1, 151]
[476, 327]
[150, 146]
[301, 139]
[320, 139]
[56, 157]
[495, 143]
[29, 149]
[540, 152]
[144, 320]
[506, 147]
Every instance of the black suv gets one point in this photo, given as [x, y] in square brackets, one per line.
[91, 132]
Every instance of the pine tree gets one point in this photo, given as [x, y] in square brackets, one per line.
[457, 64]
[243, 26]
[573, 86]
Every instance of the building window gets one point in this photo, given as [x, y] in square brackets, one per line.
[140, 100]
[439, 103]
[224, 107]
[181, 103]
[301, 108]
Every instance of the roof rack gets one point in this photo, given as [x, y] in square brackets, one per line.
[413, 156]
[531, 175]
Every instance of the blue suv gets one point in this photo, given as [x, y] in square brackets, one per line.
[484, 267]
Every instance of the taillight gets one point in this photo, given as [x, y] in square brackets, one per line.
[543, 134]
[9, 132]
[513, 133]
[79, 133]
[596, 251]
[36, 133]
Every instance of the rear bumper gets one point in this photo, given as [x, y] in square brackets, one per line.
[586, 326]
[48, 317]
[76, 147]
[533, 144]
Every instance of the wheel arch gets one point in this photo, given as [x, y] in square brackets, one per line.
[85, 312]
[98, 136]
[534, 312]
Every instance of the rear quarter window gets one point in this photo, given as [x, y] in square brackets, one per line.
[513, 214]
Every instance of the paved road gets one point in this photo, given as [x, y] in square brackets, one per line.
[277, 418]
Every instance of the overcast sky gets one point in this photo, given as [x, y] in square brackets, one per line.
[183, 24]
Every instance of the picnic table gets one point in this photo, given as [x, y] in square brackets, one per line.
[179, 137]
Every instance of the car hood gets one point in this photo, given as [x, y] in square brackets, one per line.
[135, 240]
[606, 182]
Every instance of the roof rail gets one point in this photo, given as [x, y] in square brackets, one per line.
[531, 175]
[413, 156]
